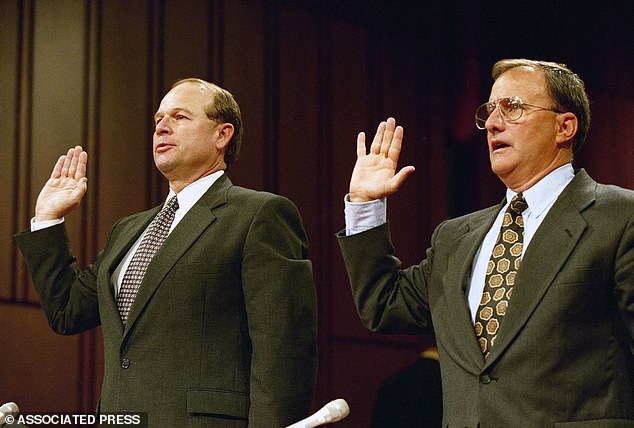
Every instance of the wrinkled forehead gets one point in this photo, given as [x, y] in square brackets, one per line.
[527, 83]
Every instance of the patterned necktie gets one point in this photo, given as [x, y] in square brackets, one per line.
[152, 240]
[500, 276]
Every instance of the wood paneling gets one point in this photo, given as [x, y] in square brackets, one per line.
[123, 154]
[58, 90]
[39, 370]
[9, 69]
[241, 67]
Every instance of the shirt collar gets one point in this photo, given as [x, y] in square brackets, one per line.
[543, 193]
[193, 192]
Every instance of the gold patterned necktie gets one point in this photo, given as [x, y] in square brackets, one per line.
[500, 275]
[153, 239]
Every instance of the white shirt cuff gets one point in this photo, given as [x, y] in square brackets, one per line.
[361, 216]
[39, 225]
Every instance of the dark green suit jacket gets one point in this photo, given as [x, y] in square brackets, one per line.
[223, 330]
[564, 351]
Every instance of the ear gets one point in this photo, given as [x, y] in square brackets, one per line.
[225, 132]
[566, 128]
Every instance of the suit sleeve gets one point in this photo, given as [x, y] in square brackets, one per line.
[68, 295]
[624, 280]
[389, 299]
[281, 309]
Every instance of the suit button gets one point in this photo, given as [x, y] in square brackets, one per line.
[125, 363]
[485, 379]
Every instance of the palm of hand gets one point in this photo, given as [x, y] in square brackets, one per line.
[57, 192]
[372, 176]
[65, 188]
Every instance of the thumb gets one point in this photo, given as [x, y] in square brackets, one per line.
[400, 177]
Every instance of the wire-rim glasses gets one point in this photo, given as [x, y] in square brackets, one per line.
[511, 109]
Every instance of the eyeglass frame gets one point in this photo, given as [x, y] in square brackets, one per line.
[497, 105]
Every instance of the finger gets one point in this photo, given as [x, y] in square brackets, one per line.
[77, 167]
[390, 124]
[57, 169]
[361, 150]
[67, 161]
[397, 143]
[72, 168]
[81, 166]
[378, 137]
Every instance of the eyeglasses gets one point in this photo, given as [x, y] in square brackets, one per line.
[511, 109]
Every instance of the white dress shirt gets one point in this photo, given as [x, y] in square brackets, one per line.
[540, 198]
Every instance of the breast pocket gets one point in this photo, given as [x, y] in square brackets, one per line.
[580, 295]
[578, 276]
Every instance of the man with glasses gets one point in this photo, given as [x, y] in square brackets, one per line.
[531, 300]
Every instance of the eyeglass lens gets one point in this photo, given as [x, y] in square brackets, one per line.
[510, 108]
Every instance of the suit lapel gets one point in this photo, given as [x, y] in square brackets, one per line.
[547, 252]
[186, 232]
[126, 236]
[459, 331]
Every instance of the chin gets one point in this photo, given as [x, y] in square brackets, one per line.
[162, 165]
[502, 164]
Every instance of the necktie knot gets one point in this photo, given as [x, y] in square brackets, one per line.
[171, 205]
[518, 204]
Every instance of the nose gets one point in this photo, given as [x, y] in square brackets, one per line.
[163, 126]
[495, 121]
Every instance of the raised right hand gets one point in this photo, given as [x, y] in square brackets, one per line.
[374, 175]
[65, 188]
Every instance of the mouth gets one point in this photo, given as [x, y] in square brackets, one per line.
[163, 146]
[498, 145]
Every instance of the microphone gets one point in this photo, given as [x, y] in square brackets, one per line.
[8, 408]
[334, 411]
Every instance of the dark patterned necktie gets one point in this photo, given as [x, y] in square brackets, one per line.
[152, 240]
[500, 276]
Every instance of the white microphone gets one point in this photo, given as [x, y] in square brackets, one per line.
[334, 411]
[6, 408]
